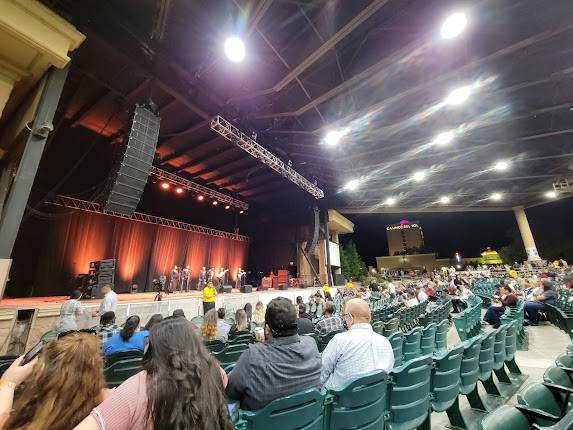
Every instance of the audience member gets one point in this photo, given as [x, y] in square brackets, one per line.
[223, 327]
[241, 325]
[109, 301]
[421, 294]
[330, 322]
[412, 300]
[533, 307]
[285, 364]
[209, 294]
[63, 384]
[155, 318]
[359, 350]
[181, 387]
[463, 293]
[209, 326]
[179, 313]
[70, 312]
[259, 314]
[494, 312]
[128, 338]
[107, 326]
[248, 308]
[304, 321]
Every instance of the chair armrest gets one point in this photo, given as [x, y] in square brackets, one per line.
[537, 413]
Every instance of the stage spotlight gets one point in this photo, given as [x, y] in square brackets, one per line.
[215, 202]
[445, 200]
[165, 185]
[459, 96]
[444, 138]
[419, 176]
[333, 137]
[179, 190]
[234, 49]
[200, 198]
[551, 194]
[390, 201]
[501, 166]
[454, 25]
[496, 197]
[227, 207]
[241, 212]
[352, 185]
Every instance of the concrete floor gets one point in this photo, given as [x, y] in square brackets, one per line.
[545, 343]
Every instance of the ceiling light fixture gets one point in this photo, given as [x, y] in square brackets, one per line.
[459, 96]
[551, 194]
[454, 25]
[165, 185]
[179, 190]
[241, 212]
[215, 202]
[496, 197]
[445, 200]
[200, 198]
[234, 49]
[501, 166]
[390, 201]
[352, 185]
[333, 137]
[419, 176]
[444, 138]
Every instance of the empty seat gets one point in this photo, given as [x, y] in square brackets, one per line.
[565, 361]
[231, 353]
[303, 411]
[411, 348]
[499, 354]
[442, 335]
[505, 417]
[469, 373]
[446, 382]
[378, 327]
[121, 370]
[391, 327]
[511, 347]
[242, 337]
[428, 341]
[486, 363]
[123, 355]
[396, 340]
[537, 396]
[360, 404]
[215, 345]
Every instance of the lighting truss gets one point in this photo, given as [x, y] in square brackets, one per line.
[564, 185]
[163, 175]
[84, 205]
[237, 137]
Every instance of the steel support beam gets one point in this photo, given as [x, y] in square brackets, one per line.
[397, 210]
[210, 155]
[11, 217]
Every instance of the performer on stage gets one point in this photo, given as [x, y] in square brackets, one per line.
[174, 280]
[210, 274]
[202, 278]
[221, 277]
[186, 278]
[240, 278]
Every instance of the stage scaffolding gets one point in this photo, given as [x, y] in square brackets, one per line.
[84, 205]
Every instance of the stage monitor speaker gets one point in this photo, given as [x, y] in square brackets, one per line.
[247, 288]
[262, 288]
[283, 287]
[129, 174]
[227, 288]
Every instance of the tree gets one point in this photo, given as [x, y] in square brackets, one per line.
[514, 251]
[352, 265]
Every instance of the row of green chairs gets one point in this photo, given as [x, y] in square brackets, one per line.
[436, 314]
[485, 289]
[409, 316]
[560, 313]
[122, 366]
[231, 353]
[418, 342]
[468, 321]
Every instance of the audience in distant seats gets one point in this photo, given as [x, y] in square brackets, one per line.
[127, 339]
[107, 326]
[285, 364]
[62, 385]
[181, 387]
[223, 327]
[495, 311]
[209, 326]
[330, 322]
[304, 321]
[70, 312]
[538, 303]
[358, 350]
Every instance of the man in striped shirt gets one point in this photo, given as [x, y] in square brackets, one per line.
[330, 322]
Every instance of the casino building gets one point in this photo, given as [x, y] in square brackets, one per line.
[405, 237]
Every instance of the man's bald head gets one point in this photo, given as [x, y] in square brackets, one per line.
[359, 310]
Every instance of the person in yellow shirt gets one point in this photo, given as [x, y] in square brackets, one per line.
[325, 288]
[349, 284]
[209, 294]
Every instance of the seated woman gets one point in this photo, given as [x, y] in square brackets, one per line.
[209, 326]
[259, 314]
[241, 325]
[128, 338]
[70, 312]
[181, 387]
[495, 311]
[62, 385]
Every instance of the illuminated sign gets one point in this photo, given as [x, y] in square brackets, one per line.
[401, 227]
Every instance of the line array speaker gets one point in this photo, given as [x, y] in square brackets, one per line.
[130, 172]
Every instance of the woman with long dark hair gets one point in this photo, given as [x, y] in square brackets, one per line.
[180, 388]
[128, 338]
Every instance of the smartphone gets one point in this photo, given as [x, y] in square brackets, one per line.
[30, 355]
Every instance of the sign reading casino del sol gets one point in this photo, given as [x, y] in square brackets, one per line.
[402, 225]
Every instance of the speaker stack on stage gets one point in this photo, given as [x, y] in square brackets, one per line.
[247, 288]
[227, 288]
[129, 174]
[101, 272]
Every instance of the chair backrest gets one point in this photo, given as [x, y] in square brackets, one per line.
[122, 370]
[378, 327]
[409, 398]
[411, 348]
[391, 327]
[231, 353]
[499, 347]
[486, 362]
[446, 378]
[504, 417]
[322, 341]
[469, 369]
[539, 396]
[442, 335]
[428, 341]
[360, 404]
[511, 340]
[303, 411]
[564, 360]
[397, 340]
[215, 345]
[556, 375]
[6, 361]
[243, 337]
[123, 355]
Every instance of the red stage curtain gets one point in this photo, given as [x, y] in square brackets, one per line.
[143, 251]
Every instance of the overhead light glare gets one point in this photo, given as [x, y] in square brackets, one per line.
[501, 166]
[235, 49]
[390, 201]
[551, 194]
[179, 190]
[227, 207]
[215, 202]
[459, 96]
[352, 185]
[419, 176]
[200, 198]
[333, 137]
[165, 185]
[444, 138]
[445, 200]
[454, 25]
[241, 212]
[496, 197]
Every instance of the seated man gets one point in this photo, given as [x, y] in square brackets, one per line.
[107, 326]
[539, 301]
[359, 350]
[285, 364]
[223, 327]
[330, 322]
[493, 313]
[304, 321]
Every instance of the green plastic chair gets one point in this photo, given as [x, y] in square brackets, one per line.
[231, 353]
[442, 335]
[215, 346]
[378, 327]
[123, 355]
[557, 376]
[469, 375]
[411, 348]
[397, 341]
[301, 411]
[428, 340]
[48, 336]
[360, 404]
[511, 347]
[564, 361]
[409, 398]
[121, 370]
[242, 337]
[6, 361]
[505, 417]
[391, 327]
[486, 363]
[540, 398]
[322, 341]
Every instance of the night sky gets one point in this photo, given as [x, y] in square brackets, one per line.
[468, 233]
